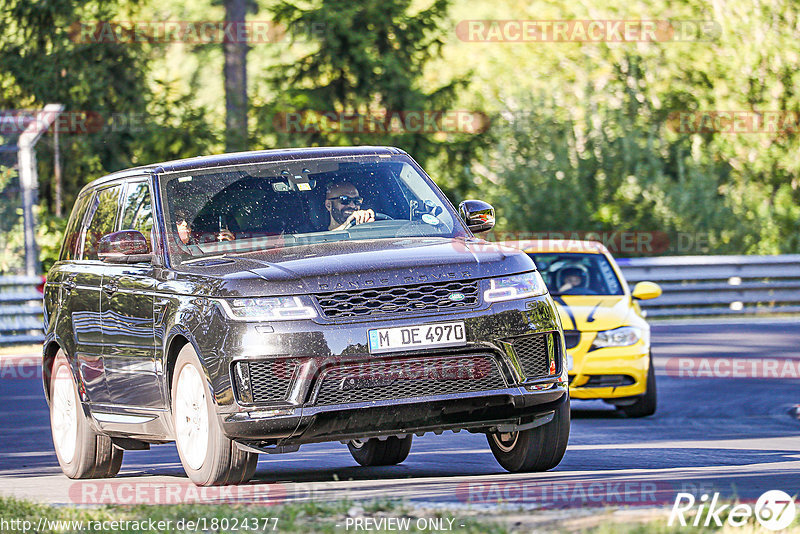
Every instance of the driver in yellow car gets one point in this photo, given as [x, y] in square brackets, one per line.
[344, 206]
[571, 277]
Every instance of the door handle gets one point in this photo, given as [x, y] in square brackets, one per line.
[69, 284]
[110, 288]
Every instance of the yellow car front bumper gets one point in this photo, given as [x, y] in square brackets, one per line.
[608, 373]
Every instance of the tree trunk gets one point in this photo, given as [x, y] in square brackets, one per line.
[235, 72]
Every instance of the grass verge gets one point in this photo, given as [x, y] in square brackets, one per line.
[337, 517]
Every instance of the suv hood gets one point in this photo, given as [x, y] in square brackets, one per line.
[352, 265]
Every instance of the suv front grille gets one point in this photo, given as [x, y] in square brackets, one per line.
[533, 352]
[401, 299]
[264, 380]
[408, 378]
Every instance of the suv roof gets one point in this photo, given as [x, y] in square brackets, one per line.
[240, 158]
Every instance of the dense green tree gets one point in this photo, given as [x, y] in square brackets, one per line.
[364, 63]
[62, 51]
[116, 114]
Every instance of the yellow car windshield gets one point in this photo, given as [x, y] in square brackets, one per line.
[577, 274]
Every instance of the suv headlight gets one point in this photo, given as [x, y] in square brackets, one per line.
[517, 286]
[619, 337]
[268, 308]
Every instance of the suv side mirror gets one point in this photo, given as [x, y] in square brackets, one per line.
[126, 246]
[646, 291]
[478, 215]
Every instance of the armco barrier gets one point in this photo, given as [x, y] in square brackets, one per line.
[718, 285]
[20, 310]
[693, 286]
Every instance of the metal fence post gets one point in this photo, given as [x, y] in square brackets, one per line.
[29, 182]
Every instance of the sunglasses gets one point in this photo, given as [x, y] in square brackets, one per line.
[345, 199]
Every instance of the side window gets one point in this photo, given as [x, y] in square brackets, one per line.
[72, 235]
[102, 220]
[137, 211]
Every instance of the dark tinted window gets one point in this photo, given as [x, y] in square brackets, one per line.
[72, 235]
[137, 210]
[228, 210]
[103, 214]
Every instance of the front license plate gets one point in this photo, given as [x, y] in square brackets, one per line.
[417, 337]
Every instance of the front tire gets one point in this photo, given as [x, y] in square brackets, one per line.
[537, 449]
[208, 456]
[646, 404]
[373, 451]
[81, 452]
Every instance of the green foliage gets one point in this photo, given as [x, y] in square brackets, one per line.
[49, 236]
[590, 141]
[44, 61]
[365, 59]
[133, 117]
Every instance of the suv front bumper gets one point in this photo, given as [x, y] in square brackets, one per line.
[297, 355]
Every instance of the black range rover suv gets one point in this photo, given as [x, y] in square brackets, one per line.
[250, 303]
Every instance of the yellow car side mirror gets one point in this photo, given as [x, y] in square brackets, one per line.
[646, 290]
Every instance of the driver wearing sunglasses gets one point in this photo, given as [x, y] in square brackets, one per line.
[344, 206]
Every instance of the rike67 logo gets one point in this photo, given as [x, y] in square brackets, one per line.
[774, 510]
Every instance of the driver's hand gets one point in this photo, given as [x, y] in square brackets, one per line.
[225, 235]
[360, 217]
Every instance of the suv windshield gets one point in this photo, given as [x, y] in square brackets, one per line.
[577, 274]
[245, 208]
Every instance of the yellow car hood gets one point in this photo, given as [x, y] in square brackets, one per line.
[589, 313]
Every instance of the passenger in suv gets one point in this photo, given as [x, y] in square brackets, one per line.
[369, 333]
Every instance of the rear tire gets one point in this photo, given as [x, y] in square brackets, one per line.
[81, 452]
[646, 404]
[537, 449]
[376, 452]
[208, 456]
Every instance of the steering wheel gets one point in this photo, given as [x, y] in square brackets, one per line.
[378, 217]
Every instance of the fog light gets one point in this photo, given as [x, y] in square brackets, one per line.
[268, 413]
[243, 380]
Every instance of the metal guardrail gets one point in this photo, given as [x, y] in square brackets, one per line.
[718, 285]
[20, 310]
[693, 286]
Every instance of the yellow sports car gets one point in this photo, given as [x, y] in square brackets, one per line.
[606, 336]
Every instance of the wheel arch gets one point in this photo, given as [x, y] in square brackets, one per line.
[176, 343]
[178, 339]
[49, 351]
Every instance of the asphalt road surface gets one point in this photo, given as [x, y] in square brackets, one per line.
[735, 435]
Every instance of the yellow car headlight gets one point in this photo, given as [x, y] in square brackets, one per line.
[618, 337]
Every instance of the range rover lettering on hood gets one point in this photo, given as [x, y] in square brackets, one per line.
[418, 279]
